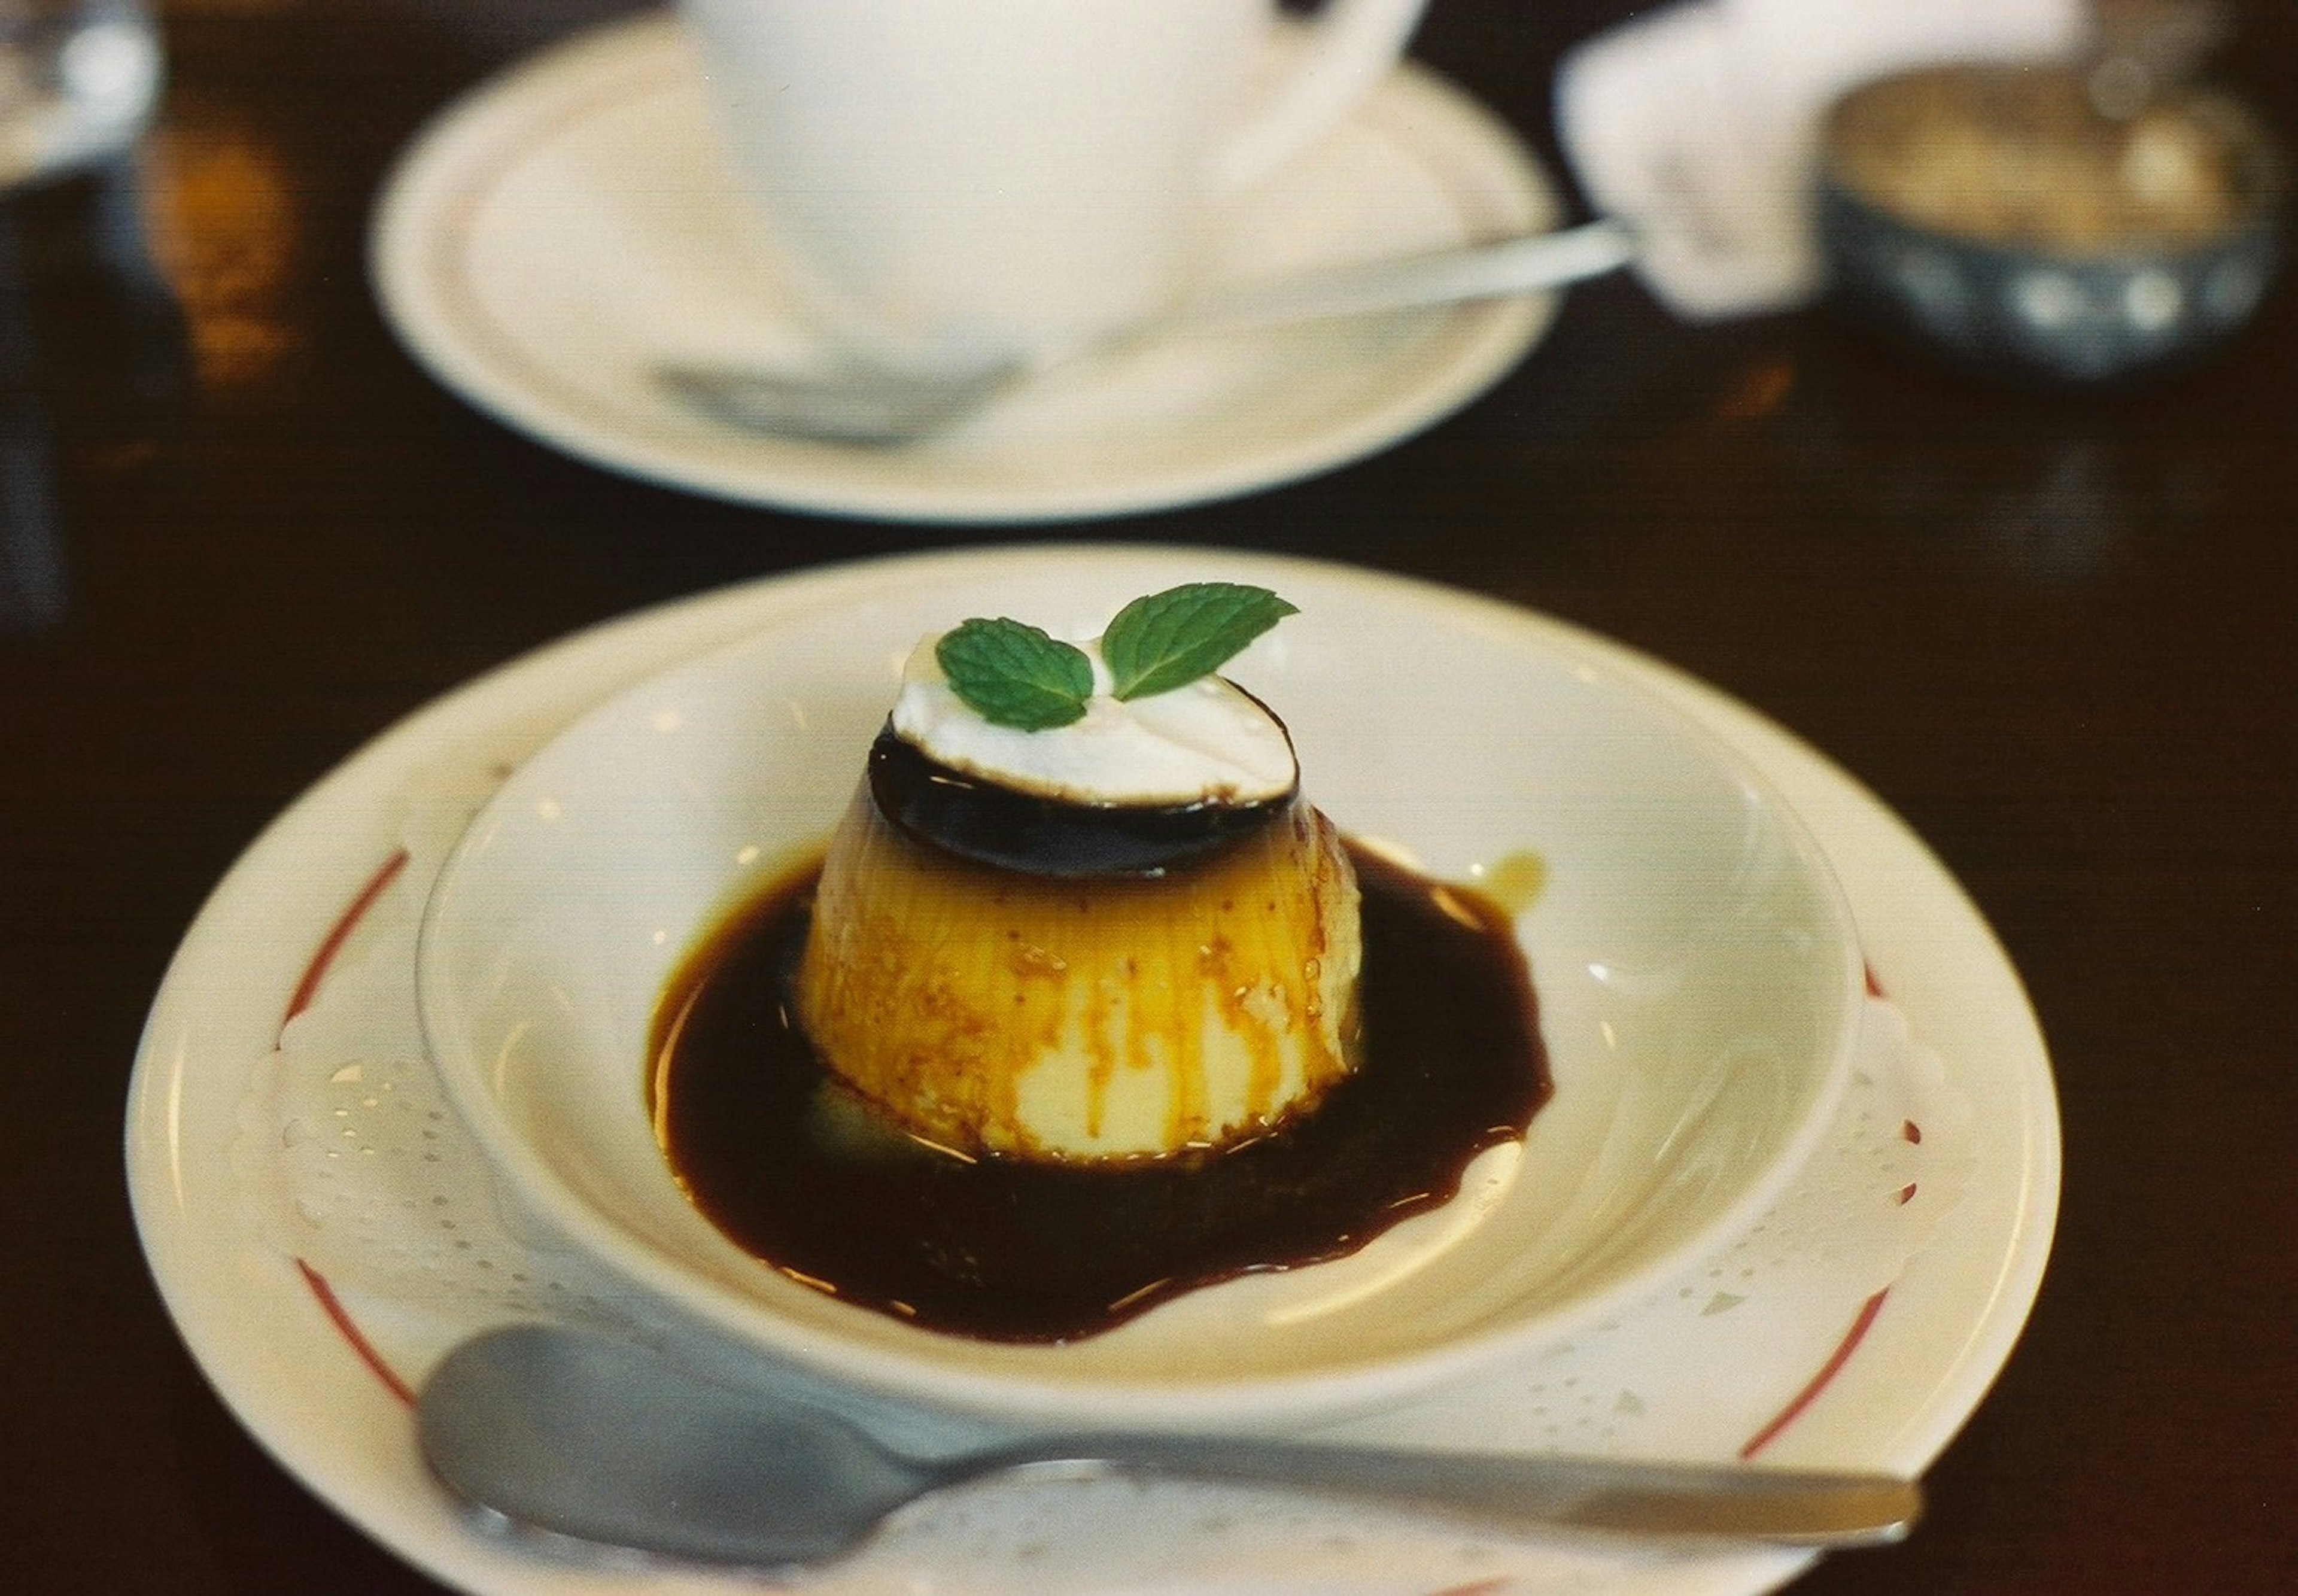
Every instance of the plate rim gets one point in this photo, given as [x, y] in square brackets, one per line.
[354, 1451]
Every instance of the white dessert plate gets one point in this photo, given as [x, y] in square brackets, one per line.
[295, 1171]
[1699, 977]
[565, 227]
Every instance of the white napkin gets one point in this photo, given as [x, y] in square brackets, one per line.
[1697, 124]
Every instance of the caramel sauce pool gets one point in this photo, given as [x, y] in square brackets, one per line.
[806, 1179]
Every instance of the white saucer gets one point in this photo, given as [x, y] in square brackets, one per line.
[567, 225]
[1842, 1353]
[1699, 976]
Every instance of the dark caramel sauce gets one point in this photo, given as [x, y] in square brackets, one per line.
[804, 1177]
[978, 819]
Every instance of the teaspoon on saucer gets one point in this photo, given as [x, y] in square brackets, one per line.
[861, 402]
[599, 1439]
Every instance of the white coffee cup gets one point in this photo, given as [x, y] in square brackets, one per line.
[946, 180]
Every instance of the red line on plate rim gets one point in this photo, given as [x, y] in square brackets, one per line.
[307, 988]
[348, 1328]
[1819, 1381]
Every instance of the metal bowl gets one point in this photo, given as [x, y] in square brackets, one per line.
[1993, 213]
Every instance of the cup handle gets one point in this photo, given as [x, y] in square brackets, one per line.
[1350, 48]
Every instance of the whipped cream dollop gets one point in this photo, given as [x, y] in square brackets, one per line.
[1209, 740]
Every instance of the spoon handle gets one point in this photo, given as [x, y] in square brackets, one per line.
[1524, 265]
[1690, 1501]
[591, 1437]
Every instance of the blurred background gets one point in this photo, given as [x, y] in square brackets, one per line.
[241, 531]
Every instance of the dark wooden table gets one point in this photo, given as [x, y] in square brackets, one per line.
[240, 532]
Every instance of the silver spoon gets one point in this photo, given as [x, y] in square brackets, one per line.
[603, 1440]
[856, 401]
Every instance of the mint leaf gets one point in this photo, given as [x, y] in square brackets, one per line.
[1016, 675]
[1168, 640]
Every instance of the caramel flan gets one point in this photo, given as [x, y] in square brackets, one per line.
[1123, 935]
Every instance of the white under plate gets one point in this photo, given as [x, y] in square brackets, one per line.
[565, 227]
[1863, 1320]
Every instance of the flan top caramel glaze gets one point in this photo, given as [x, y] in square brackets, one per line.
[1005, 973]
[990, 823]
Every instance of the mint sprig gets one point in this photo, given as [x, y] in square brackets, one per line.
[1168, 640]
[1018, 675]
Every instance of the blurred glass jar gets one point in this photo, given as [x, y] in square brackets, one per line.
[77, 80]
